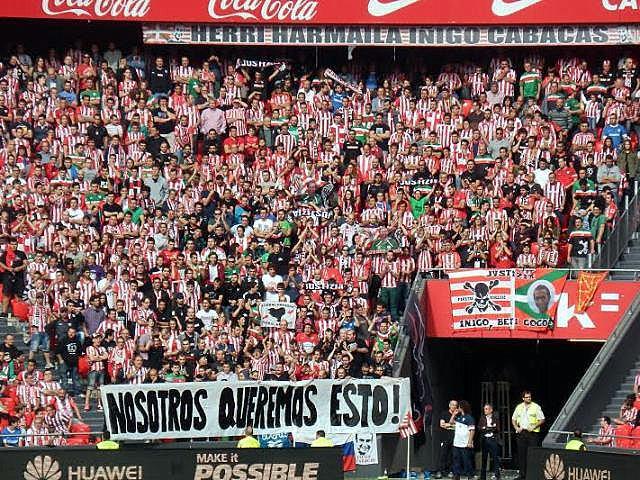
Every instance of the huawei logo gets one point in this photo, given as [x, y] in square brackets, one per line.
[554, 468]
[43, 467]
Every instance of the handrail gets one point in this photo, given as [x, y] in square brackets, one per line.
[52, 434]
[403, 334]
[584, 434]
[624, 229]
[604, 355]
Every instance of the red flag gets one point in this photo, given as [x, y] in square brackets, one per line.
[588, 283]
[408, 426]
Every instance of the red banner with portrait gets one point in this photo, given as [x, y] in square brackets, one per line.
[609, 303]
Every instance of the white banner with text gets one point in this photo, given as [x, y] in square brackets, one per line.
[225, 409]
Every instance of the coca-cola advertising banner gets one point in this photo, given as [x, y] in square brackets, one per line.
[441, 36]
[610, 302]
[330, 12]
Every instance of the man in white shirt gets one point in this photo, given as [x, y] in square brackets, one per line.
[263, 226]
[270, 280]
[206, 314]
[465, 427]
[541, 174]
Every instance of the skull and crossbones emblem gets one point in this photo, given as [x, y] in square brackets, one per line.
[482, 302]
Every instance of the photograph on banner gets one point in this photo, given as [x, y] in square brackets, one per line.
[225, 409]
[272, 313]
[507, 299]
[366, 448]
[537, 293]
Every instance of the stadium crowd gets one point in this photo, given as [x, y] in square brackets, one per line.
[149, 205]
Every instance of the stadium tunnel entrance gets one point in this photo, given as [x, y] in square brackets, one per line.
[458, 368]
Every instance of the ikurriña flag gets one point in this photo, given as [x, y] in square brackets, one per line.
[536, 297]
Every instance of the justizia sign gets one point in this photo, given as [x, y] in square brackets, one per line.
[180, 464]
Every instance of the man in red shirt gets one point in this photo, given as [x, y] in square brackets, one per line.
[232, 140]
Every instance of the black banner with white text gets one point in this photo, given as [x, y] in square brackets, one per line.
[178, 463]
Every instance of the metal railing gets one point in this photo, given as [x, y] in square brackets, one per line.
[564, 436]
[584, 434]
[403, 331]
[52, 434]
[625, 228]
[603, 358]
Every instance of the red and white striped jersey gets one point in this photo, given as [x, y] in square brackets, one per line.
[288, 141]
[389, 273]
[181, 71]
[39, 317]
[137, 374]
[425, 262]
[450, 80]
[282, 339]
[324, 119]
[555, 192]
[96, 365]
[548, 257]
[478, 82]
[449, 260]
[237, 117]
[527, 260]
[504, 86]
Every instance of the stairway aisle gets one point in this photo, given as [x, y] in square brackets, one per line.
[93, 418]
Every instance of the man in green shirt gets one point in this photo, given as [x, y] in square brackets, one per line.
[530, 82]
[575, 109]
[134, 210]
[597, 224]
[94, 197]
[91, 92]
[418, 201]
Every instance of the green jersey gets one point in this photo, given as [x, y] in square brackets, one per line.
[529, 84]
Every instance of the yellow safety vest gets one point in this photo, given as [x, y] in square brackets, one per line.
[108, 445]
[248, 442]
[532, 413]
[322, 442]
[575, 444]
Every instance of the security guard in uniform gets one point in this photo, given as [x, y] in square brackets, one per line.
[526, 419]
[575, 442]
[321, 440]
[248, 441]
[107, 443]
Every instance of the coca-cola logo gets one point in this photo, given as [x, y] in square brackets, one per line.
[292, 10]
[98, 8]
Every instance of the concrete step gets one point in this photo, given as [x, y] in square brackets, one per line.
[623, 276]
